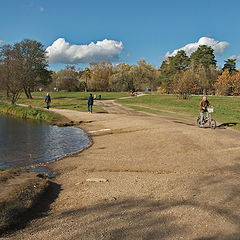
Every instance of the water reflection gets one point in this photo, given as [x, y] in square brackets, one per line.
[26, 142]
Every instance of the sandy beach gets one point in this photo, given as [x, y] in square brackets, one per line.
[166, 179]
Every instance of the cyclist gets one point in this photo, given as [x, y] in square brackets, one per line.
[204, 104]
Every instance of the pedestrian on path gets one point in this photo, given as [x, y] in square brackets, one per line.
[47, 100]
[90, 103]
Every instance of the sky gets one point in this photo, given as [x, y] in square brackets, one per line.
[82, 31]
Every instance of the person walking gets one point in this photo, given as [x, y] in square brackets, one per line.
[47, 100]
[90, 103]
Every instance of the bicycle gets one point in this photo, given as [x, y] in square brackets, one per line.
[211, 122]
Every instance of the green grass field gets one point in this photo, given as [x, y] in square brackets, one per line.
[82, 95]
[226, 109]
[70, 100]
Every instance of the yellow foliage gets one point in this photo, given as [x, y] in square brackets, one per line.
[236, 84]
[162, 90]
[186, 83]
[224, 83]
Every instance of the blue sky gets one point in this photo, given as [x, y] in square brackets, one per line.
[147, 29]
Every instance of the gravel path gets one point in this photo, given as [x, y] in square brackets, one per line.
[167, 179]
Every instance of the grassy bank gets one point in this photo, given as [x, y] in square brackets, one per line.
[226, 109]
[20, 190]
[28, 112]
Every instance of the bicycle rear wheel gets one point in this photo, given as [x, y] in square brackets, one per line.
[213, 124]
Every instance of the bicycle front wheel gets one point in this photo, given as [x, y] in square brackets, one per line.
[198, 121]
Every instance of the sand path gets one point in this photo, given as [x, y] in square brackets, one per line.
[167, 179]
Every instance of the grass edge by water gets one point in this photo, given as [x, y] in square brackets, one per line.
[28, 112]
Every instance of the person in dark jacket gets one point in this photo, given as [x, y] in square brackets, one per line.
[90, 103]
[204, 104]
[47, 100]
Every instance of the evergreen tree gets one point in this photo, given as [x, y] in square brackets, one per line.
[170, 68]
[230, 65]
[204, 64]
[203, 56]
[180, 61]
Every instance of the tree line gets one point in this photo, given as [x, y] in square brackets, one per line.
[104, 76]
[198, 74]
[24, 68]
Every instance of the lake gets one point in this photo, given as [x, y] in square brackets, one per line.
[26, 142]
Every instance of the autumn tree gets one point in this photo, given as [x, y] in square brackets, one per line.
[187, 84]
[223, 84]
[228, 84]
[236, 84]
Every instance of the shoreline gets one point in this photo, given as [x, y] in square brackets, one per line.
[29, 112]
[60, 122]
[41, 182]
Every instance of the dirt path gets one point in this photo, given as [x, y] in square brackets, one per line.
[167, 179]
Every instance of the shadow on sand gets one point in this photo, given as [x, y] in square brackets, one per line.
[39, 209]
[206, 216]
[199, 217]
[229, 124]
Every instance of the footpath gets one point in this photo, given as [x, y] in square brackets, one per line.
[144, 177]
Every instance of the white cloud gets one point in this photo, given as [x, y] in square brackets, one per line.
[217, 46]
[237, 57]
[41, 9]
[64, 52]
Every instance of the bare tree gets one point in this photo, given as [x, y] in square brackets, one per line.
[100, 75]
[12, 75]
[66, 80]
[121, 79]
[86, 77]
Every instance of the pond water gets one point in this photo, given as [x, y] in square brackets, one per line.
[26, 142]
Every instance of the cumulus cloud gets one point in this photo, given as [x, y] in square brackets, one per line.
[62, 51]
[217, 46]
[237, 57]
